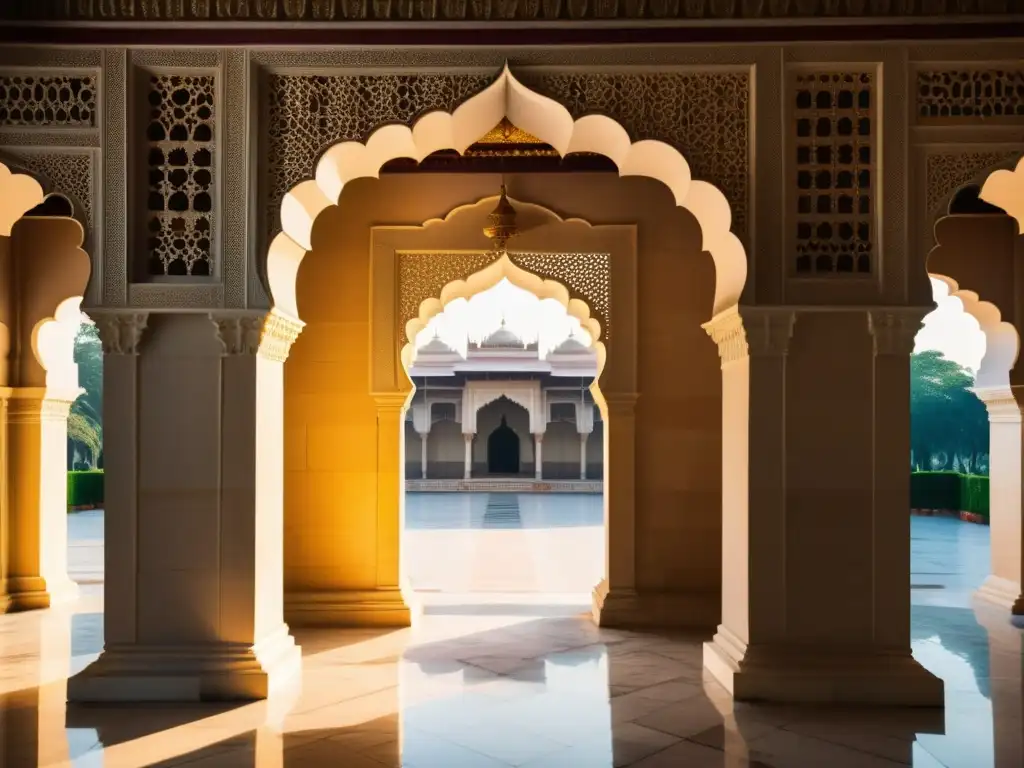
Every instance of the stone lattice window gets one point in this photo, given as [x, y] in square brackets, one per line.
[42, 101]
[979, 94]
[179, 138]
[833, 177]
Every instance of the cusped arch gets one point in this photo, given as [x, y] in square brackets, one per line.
[478, 282]
[1002, 342]
[540, 116]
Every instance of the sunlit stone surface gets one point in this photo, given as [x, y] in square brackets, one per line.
[521, 681]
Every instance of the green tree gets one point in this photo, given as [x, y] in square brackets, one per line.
[948, 424]
[85, 423]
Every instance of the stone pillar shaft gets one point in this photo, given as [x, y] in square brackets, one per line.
[538, 455]
[194, 555]
[584, 437]
[1003, 585]
[816, 495]
[37, 432]
[423, 454]
[467, 462]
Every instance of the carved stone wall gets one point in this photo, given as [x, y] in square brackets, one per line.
[979, 94]
[832, 201]
[705, 115]
[66, 173]
[422, 276]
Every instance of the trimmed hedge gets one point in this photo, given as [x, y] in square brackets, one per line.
[85, 488]
[949, 490]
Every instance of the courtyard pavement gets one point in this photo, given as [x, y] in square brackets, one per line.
[514, 687]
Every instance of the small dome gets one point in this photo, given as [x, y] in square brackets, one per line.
[435, 347]
[502, 338]
[571, 347]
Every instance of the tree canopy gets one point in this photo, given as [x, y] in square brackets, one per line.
[85, 423]
[948, 423]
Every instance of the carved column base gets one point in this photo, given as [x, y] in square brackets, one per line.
[27, 593]
[384, 607]
[206, 672]
[628, 608]
[813, 674]
[1004, 593]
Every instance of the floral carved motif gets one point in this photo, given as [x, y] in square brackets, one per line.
[66, 174]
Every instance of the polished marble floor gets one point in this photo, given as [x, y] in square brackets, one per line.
[530, 684]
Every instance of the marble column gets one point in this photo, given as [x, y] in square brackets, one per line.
[37, 431]
[194, 509]
[467, 468]
[538, 455]
[1003, 585]
[815, 518]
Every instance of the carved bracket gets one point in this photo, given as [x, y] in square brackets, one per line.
[121, 332]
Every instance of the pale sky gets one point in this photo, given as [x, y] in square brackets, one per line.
[951, 331]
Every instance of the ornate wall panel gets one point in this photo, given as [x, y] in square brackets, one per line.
[970, 94]
[422, 276]
[703, 114]
[67, 172]
[180, 165]
[832, 197]
[48, 101]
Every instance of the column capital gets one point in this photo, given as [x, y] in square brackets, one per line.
[619, 402]
[239, 332]
[390, 401]
[750, 331]
[279, 333]
[1001, 403]
[31, 405]
[893, 329]
[120, 331]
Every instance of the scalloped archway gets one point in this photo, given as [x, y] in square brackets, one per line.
[538, 115]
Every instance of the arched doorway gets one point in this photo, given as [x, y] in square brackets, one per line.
[503, 450]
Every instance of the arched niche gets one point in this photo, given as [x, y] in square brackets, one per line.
[462, 265]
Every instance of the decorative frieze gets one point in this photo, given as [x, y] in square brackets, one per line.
[120, 332]
[987, 94]
[278, 335]
[239, 334]
[156, 11]
[833, 172]
[1001, 404]
[893, 330]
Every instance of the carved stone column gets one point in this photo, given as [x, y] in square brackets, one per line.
[194, 554]
[1003, 585]
[538, 455]
[804, 617]
[37, 433]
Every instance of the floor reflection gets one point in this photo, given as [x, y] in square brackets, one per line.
[531, 686]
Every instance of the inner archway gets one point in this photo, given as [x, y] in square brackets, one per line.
[503, 456]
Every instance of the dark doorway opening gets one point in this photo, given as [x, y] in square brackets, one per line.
[503, 450]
